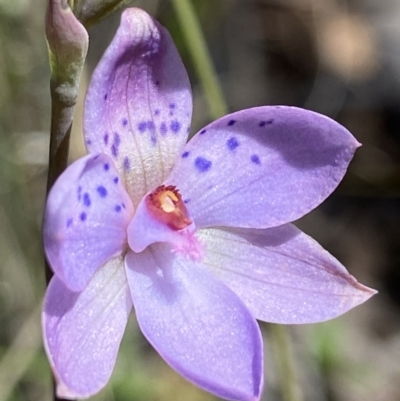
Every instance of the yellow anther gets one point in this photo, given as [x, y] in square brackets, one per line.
[168, 202]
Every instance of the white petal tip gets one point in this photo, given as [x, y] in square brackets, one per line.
[66, 393]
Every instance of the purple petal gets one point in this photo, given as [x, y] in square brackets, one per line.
[197, 324]
[262, 167]
[82, 331]
[139, 105]
[281, 274]
[86, 217]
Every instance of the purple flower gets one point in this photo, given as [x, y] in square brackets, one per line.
[196, 235]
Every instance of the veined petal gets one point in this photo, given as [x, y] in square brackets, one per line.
[281, 274]
[85, 222]
[82, 331]
[138, 107]
[196, 323]
[262, 167]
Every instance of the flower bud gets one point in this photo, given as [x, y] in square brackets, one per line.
[68, 44]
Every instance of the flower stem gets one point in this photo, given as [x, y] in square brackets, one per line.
[281, 346]
[60, 132]
[200, 57]
[67, 41]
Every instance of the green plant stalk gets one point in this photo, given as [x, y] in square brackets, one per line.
[280, 343]
[67, 41]
[200, 57]
[62, 114]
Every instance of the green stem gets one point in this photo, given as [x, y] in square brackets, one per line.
[284, 362]
[68, 43]
[200, 57]
[60, 132]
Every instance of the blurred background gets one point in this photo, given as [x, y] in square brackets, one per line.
[338, 57]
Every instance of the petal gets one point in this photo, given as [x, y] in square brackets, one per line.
[196, 323]
[281, 274]
[262, 167]
[82, 331]
[87, 213]
[139, 104]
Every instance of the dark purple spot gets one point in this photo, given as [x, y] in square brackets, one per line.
[83, 216]
[69, 222]
[264, 123]
[172, 106]
[117, 208]
[186, 201]
[232, 143]
[163, 128]
[203, 131]
[202, 164]
[123, 205]
[117, 139]
[255, 159]
[96, 157]
[105, 139]
[105, 96]
[142, 126]
[127, 164]
[157, 83]
[88, 142]
[231, 122]
[102, 191]
[86, 199]
[185, 154]
[153, 138]
[116, 179]
[124, 122]
[106, 166]
[156, 112]
[150, 125]
[115, 145]
[175, 126]
[79, 193]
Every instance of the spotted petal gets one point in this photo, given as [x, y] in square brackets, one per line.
[87, 213]
[82, 331]
[281, 274]
[262, 167]
[138, 106]
[197, 324]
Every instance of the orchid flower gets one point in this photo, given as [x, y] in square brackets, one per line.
[195, 236]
